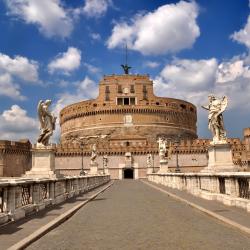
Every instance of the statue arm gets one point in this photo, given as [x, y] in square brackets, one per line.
[205, 107]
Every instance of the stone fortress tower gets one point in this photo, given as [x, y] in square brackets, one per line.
[129, 113]
[124, 122]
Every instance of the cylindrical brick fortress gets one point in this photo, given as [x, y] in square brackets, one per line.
[127, 112]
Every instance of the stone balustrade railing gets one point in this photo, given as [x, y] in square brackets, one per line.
[22, 196]
[230, 188]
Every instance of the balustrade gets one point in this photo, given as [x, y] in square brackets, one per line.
[19, 197]
[229, 188]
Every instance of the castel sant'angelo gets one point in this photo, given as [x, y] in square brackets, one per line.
[125, 123]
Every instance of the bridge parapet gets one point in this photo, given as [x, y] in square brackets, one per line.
[232, 189]
[21, 196]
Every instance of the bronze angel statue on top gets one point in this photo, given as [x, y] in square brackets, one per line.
[215, 108]
[47, 122]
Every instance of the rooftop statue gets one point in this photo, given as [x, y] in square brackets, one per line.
[149, 161]
[162, 149]
[93, 155]
[126, 68]
[215, 108]
[47, 122]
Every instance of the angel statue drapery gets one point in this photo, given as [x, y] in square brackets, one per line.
[47, 122]
[215, 108]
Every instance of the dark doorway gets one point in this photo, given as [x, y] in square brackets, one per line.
[128, 173]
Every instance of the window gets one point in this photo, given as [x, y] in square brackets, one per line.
[132, 101]
[183, 106]
[126, 101]
[107, 91]
[119, 89]
[120, 101]
[132, 89]
[145, 92]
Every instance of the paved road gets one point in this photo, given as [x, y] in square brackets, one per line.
[132, 215]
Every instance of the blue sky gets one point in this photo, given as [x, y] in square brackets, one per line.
[59, 50]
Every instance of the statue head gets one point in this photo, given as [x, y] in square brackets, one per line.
[48, 102]
[211, 97]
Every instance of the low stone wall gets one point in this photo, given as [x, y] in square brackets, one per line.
[230, 188]
[22, 196]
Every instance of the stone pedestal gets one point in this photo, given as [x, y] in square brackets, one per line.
[220, 159]
[163, 167]
[93, 168]
[43, 162]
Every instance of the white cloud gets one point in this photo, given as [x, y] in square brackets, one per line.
[193, 80]
[151, 64]
[243, 36]
[230, 71]
[190, 74]
[95, 36]
[15, 124]
[83, 90]
[20, 67]
[170, 28]
[13, 69]
[96, 8]
[66, 62]
[92, 69]
[9, 88]
[49, 15]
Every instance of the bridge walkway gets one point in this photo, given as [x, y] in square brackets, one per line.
[133, 215]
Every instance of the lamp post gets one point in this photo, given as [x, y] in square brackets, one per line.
[153, 163]
[82, 172]
[177, 142]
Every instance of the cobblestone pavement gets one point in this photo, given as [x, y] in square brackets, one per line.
[132, 215]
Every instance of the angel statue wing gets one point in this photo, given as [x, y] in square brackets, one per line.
[224, 103]
[40, 113]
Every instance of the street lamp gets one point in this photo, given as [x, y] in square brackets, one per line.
[177, 143]
[82, 172]
[153, 163]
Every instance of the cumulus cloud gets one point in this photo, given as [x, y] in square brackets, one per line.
[49, 15]
[151, 64]
[15, 124]
[170, 28]
[243, 36]
[83, 90]
[20, 67]
[96, 8]
[9, 88]
[230, 71]
[66, 62]
[193, 80]
[14, 69]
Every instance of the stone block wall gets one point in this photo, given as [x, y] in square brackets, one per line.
[15, 158]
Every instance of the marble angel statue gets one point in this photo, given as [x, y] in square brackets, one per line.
[47, 122]
[215, 108]
[93, 155]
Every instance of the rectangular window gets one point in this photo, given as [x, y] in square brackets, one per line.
[119, 89]
[119, 101]
[107, 89]
[132, 101]
[132, 89]
[126, 101]
[145, 92]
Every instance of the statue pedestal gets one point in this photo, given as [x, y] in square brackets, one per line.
[93, 168]
[43, 162]
[163, 167]
[220, 159]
